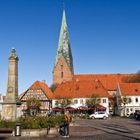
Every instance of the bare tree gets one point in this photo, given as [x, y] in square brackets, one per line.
[124, 100]
[53, 87]
[33, 105]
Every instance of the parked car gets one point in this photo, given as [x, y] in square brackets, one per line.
[99, 115]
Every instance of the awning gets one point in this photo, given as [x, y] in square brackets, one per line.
[57, 109]
[70, 108]
[83, 108]
[100, 107]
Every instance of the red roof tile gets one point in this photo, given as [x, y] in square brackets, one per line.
[130, 89]
[40, 85]
[80, 89]
[109, 81]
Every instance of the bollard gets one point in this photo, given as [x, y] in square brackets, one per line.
[18, 129]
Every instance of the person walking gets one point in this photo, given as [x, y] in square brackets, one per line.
[64, 129]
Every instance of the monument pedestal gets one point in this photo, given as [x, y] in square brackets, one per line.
[9, 111]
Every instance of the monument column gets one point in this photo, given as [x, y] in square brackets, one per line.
[9, 108]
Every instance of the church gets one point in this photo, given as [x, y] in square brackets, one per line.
[77, 87]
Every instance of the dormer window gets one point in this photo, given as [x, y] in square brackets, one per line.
[136, 90]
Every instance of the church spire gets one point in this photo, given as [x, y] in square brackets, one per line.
[64, 48]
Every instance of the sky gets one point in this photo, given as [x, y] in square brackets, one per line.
[104, 36]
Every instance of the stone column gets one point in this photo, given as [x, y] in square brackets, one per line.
[9, 109]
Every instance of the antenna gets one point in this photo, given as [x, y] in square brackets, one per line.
[63, 4]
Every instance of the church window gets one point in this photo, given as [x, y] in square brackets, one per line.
[61, 74]
[62, 67]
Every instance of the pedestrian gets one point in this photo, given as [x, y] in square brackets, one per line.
[64, 129]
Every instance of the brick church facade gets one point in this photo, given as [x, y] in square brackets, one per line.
[63, 69]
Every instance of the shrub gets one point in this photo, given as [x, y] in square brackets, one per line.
[36, 122]
[40, 122]
[7, 124]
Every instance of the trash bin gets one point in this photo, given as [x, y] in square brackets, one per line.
[18, 129]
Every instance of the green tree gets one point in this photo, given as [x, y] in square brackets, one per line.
[33, 105]
[123, 101]
[63, 102]
[93, 100]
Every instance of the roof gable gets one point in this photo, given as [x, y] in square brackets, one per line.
[39, 85]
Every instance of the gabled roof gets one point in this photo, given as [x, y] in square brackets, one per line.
[130, 89]
[109, 81]
[80, 89]
[39, 85]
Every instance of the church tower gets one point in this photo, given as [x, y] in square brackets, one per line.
[63, 69]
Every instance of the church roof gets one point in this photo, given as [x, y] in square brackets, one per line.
[109, 81]
[80, 89]
[64, 44]
[130, 89]
[40, 85]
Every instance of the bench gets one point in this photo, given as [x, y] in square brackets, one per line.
[6, 130]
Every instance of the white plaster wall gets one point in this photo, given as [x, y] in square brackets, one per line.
[84, 103]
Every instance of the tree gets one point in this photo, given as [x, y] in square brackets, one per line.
[132, 79]
[64, 102]
[124, 100]
[33, 106]
[53, 87]
[112, 103]
[93, 101]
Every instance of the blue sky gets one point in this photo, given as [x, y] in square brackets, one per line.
[104, 35]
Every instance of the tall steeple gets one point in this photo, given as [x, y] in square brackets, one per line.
[64, 48]
[63, 69]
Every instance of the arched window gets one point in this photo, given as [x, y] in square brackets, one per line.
[61, 74]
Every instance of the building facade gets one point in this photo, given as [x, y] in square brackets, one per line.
[128, 98]
[41, 92]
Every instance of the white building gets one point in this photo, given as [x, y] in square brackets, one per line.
[131, 93]
[80, 91]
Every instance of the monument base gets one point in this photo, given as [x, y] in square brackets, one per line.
[9, 111]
